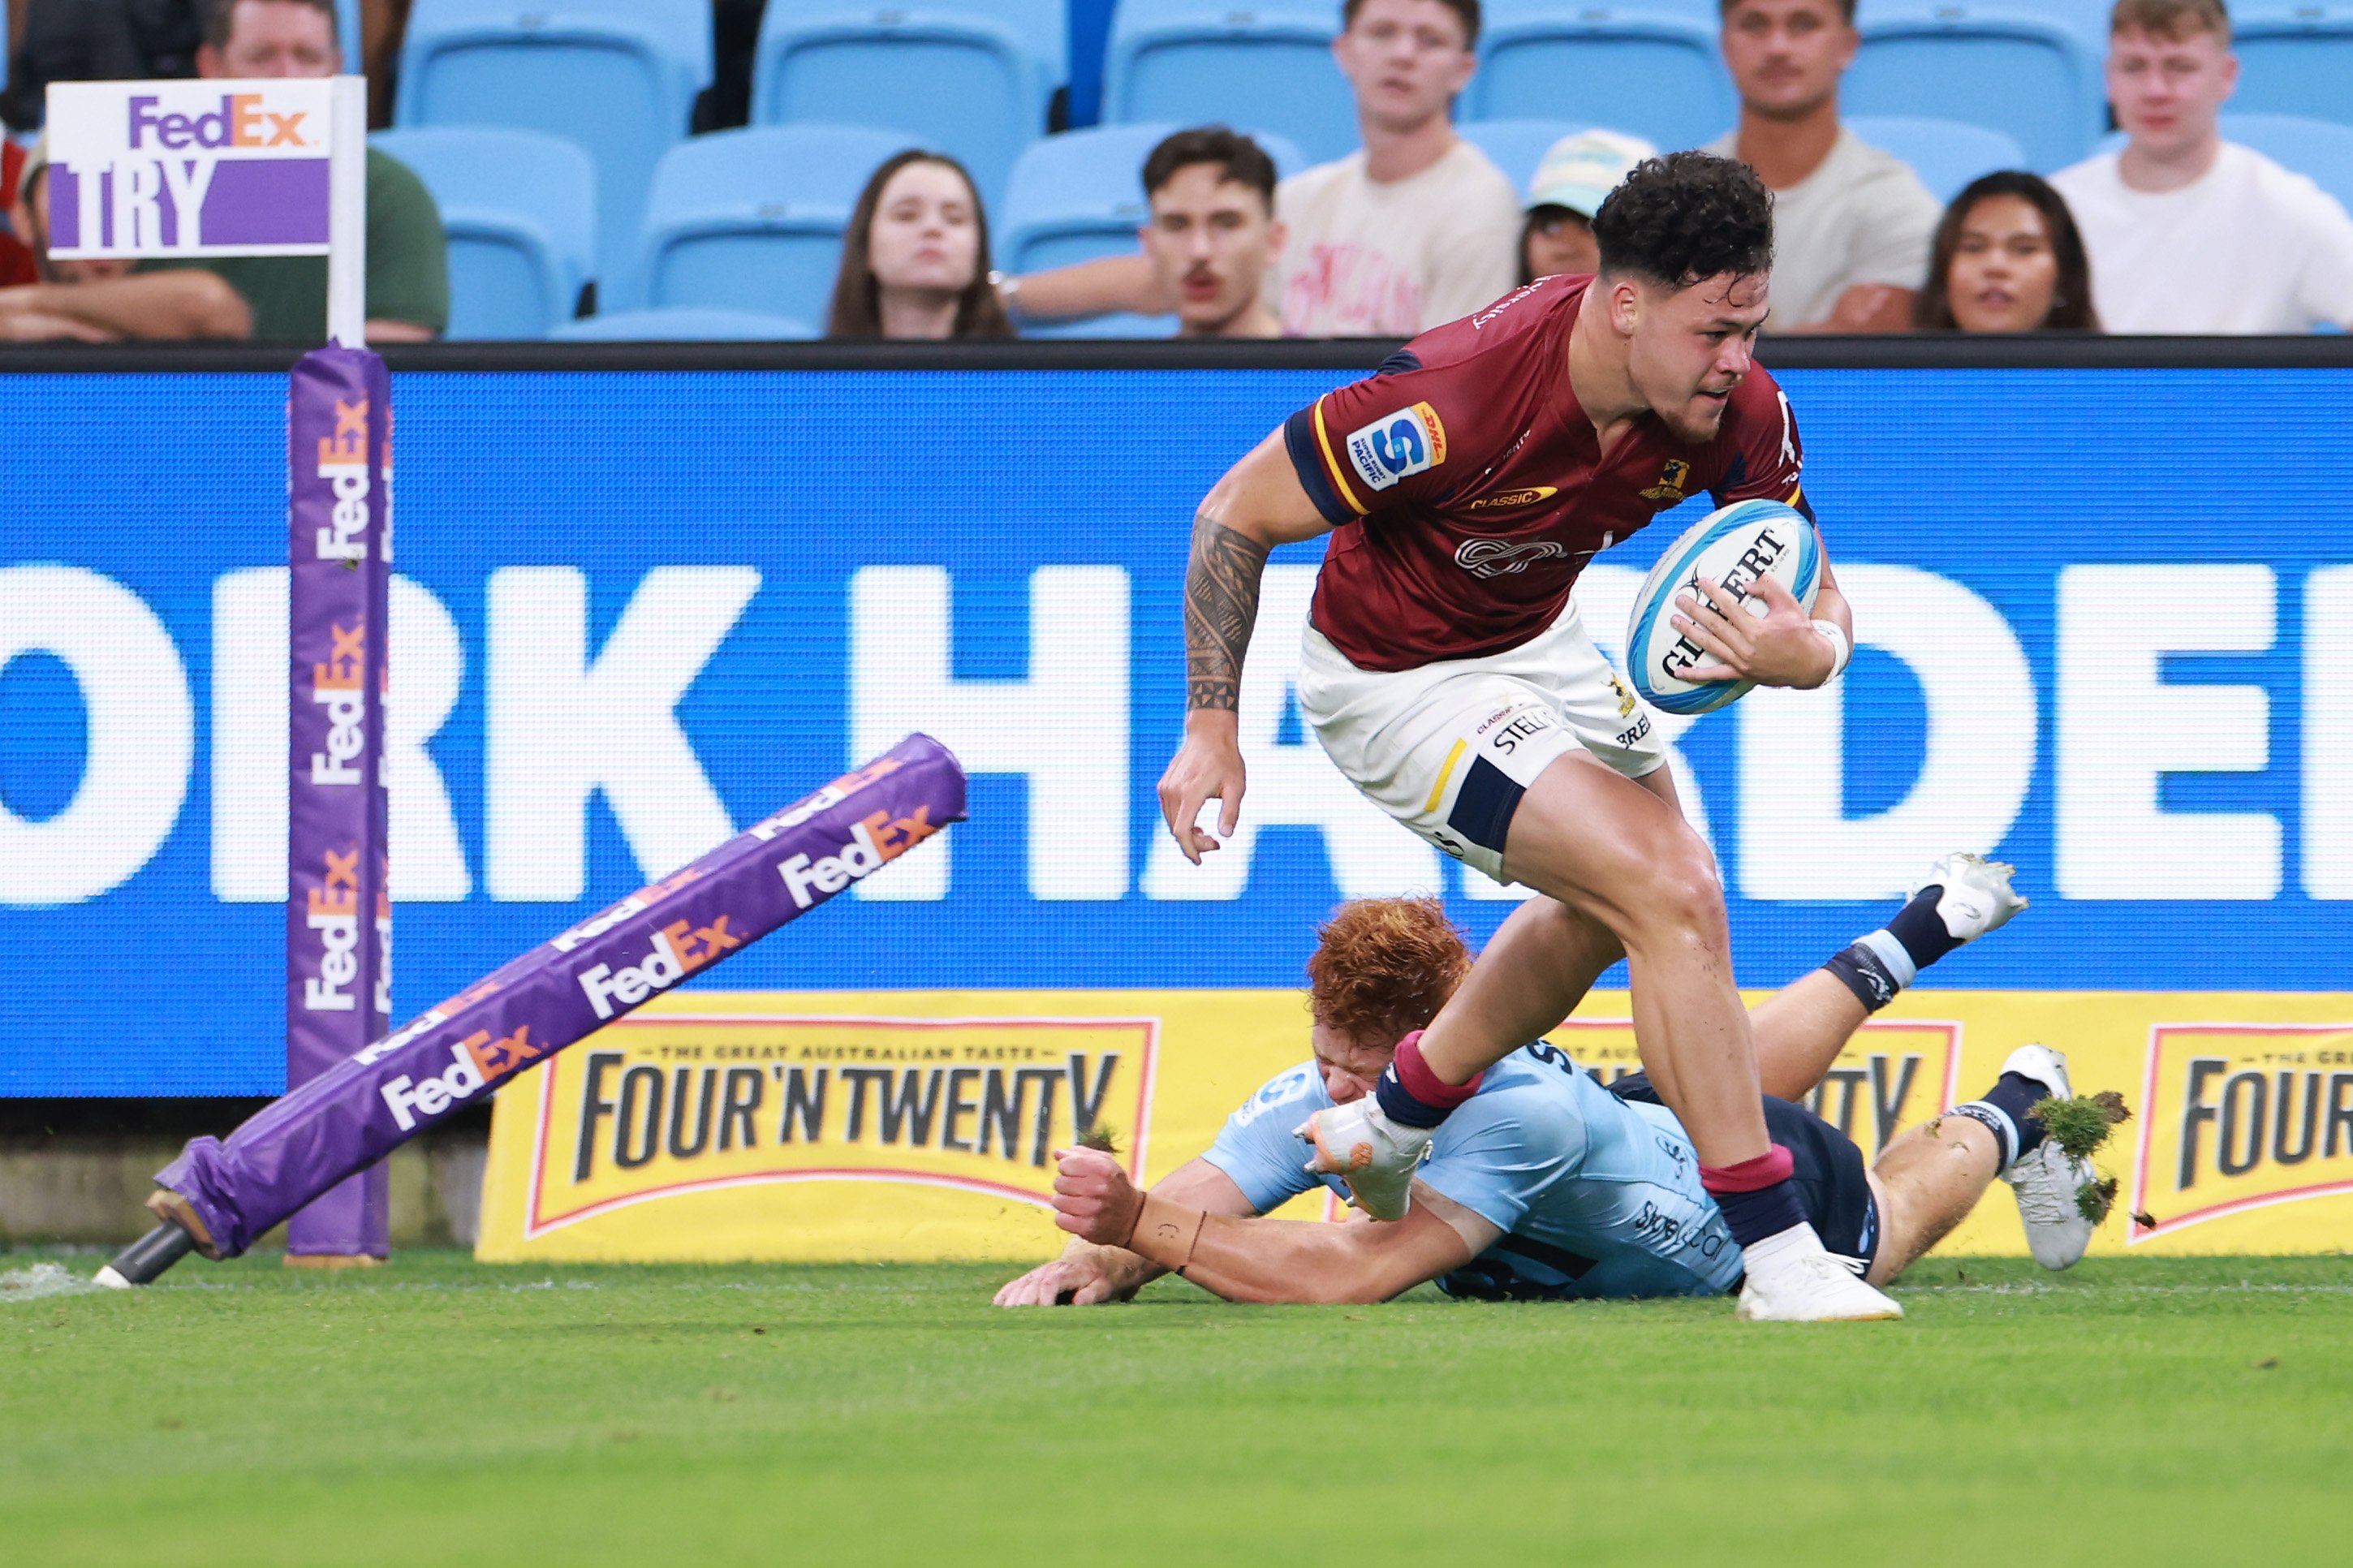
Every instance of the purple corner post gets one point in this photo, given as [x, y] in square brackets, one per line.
[223, 1195]
[338, 910]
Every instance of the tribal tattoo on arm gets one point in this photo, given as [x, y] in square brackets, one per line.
[1221, 586]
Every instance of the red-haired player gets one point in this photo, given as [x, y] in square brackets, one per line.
[1548, 1183]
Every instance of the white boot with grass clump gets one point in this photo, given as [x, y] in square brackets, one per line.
[2060, 1197]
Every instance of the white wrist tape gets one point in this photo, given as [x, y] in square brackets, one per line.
[1841, 650]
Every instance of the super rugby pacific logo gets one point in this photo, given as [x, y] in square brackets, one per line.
[1506, 557]
[874, 842]
[1397, 446]
[336, 686]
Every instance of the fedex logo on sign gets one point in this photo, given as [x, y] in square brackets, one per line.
[333, 912]
[241, 121]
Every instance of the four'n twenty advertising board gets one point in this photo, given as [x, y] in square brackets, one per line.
[2102, 632]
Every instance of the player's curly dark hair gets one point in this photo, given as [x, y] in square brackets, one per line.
[1383, 968]
[1688, 215]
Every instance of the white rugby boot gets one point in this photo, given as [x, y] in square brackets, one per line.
[1978, 896]
[1792, 1279]
[2047, 1182]
[1375, 1156]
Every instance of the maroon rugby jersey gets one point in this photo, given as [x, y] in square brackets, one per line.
[1467, 488]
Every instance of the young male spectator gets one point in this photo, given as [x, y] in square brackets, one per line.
[1414, 229]
[269, 298]
[1850, 223]
[2188, 233]
[1213, 234]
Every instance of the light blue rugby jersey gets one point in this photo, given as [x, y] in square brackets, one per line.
[1596, 1197]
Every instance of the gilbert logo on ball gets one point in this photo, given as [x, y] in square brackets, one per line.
[1730, 549]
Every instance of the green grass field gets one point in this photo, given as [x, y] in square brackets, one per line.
[441, 1410]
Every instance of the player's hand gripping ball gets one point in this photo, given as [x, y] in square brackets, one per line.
[1726, 550]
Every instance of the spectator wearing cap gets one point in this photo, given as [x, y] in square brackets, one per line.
[2188, 233]
[101, 301]
[1577, 172]
[1851, 224]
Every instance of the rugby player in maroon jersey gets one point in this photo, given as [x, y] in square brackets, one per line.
[1445, 672]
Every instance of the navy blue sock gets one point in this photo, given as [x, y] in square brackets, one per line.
[1767, 1211]
[1921, 929]
[2017, 1094]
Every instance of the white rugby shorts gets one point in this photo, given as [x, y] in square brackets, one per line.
[1449, 749]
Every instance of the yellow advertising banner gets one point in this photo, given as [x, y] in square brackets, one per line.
[914, 1126]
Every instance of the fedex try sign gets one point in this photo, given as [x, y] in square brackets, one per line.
[189, 168]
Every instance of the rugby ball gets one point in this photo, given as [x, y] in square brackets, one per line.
[1731, 548]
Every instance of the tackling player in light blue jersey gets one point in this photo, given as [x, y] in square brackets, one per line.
[1548, 1183]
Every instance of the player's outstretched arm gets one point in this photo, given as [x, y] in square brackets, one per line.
[1267, 1261]
[1087, 1274]
[1257, 505]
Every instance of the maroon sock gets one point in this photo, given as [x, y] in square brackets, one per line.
[1413, 1096]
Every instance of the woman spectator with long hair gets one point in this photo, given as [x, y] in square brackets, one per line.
[2007, 258]
[914, 259]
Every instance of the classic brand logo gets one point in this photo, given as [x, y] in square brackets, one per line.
[1505, 500]
[2242, 1117]
[874, 842]
[336, 686]
[1397, 446]
[1673, 479]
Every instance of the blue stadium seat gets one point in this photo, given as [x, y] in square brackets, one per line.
[684, 324]
[348, 33]
[1517, 146]
[972, 78]
[1080, 195]
[752, 219]
[520, 209]
[2030, 71]
[2296, 56]
[618, 77]
[2320, 149]
[1194, 62]
[1945, 153]
[1652, 67]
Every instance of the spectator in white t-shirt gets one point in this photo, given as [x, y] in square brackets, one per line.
[1414, 229]
[1851, 224]
[2189, 233]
